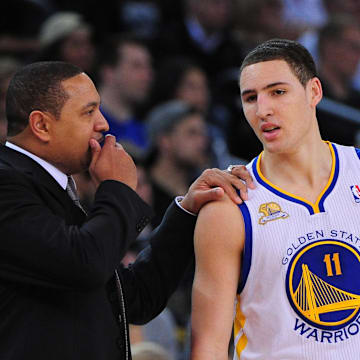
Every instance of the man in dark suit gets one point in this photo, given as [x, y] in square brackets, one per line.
[63, 293]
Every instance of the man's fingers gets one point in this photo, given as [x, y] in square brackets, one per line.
[241, 172]
[227, 182]
[213, 194]
[240, 178]
[238, 184]
[110, 140]
[206, 196]
[95, 150]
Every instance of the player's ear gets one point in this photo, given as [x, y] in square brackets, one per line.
[316, 92]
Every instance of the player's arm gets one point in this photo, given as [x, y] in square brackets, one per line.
[219, 239]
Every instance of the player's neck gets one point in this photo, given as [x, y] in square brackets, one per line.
[304, 171]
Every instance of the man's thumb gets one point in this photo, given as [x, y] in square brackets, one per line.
[217, 193]
[212, 194]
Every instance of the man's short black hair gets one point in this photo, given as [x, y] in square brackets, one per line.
[37, 87]
[297, 57]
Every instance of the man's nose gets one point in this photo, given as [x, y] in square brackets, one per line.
[263, 107]
[101, 123]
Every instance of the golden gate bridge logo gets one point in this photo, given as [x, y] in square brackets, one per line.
[314, 296]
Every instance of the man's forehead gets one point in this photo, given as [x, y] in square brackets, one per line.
[81, 88]
[263, 73]
[80, 82]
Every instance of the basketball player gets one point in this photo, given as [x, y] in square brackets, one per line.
[288, 259]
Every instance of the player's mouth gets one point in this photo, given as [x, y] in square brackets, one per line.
[270, 131]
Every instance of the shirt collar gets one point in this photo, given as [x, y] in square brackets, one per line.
[58, 175]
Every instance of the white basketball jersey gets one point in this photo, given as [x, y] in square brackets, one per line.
[299, 296]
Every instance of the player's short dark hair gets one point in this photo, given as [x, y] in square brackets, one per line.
[297, 57]
[37, 86]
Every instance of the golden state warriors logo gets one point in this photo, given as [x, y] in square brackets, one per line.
[323, 285]
[271, 211]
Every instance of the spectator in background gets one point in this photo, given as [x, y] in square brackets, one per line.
[349, 7]
[142, 18]
[146, 19]
[304, 14]
[260, 20]
[180, 78]
[334, 8]
[125, 76]
[178, 151]
[20, 21]
[339, 56]
[65, 36]
[8, 66]
[205, 35]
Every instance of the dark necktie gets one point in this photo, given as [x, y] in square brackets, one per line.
[71, 190]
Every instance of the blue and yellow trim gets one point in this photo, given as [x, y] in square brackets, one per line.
[247, 253]
[313, 208]
[239, 320]
[239, 323]
[357, 150]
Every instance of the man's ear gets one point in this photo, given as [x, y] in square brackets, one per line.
[39, 124]
[316, 91]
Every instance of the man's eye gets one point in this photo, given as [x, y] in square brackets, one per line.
[279, 92]
[251, 98]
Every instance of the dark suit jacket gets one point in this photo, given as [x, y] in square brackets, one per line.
[59, 298]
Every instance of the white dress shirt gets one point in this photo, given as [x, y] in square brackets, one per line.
[58, 175]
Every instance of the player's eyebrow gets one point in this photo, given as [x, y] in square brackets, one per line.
[247, 91]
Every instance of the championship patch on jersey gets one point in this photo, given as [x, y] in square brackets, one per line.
[324, 290]
[355, 190]
[271, 211]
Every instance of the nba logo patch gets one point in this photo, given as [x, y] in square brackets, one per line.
[355, 189]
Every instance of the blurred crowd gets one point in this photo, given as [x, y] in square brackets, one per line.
[167, 74]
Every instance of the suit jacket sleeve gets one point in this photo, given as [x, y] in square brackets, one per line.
[158, 269]
[39, 246]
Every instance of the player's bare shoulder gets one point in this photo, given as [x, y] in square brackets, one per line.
[221, 219]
